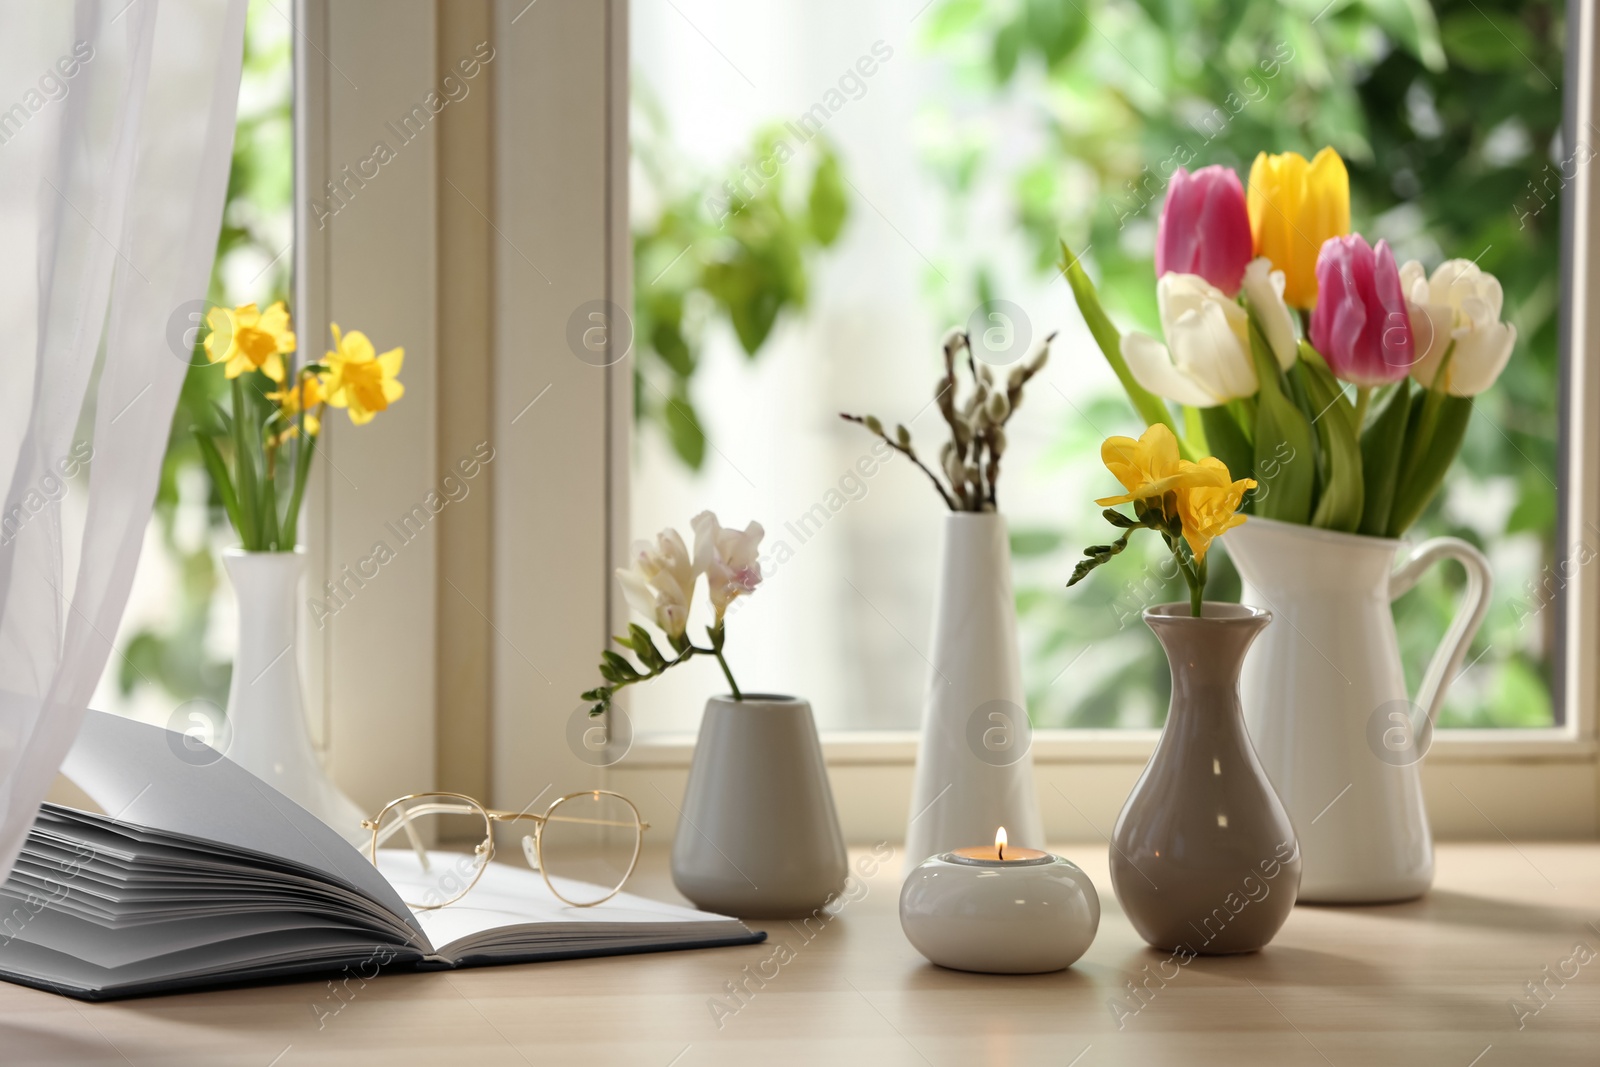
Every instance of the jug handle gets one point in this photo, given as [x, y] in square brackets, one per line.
[1446, 663]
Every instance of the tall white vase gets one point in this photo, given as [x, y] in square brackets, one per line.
[975, 764]
[1326, 704]
[267, 733]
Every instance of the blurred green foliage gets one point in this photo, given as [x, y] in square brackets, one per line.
[1449, 117]
[252, 264]
[736, 250]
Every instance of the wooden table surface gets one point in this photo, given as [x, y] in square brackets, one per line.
[1429, 982]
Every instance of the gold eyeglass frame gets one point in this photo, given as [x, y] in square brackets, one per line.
[485, 849]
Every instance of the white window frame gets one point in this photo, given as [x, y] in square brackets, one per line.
[561, 502]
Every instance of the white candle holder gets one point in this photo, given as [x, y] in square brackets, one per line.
[1000, 916]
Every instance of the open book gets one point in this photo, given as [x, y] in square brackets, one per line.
[208, 876]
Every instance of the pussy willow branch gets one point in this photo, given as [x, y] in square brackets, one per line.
[909, 453]
[970, 460]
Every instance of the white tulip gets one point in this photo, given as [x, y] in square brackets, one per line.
[1460, 304]
[1208, 362]
[1263, 287]
[728, 558]
[660, 581]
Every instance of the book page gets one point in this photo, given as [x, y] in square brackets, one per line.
[509, 895]
[133, 772]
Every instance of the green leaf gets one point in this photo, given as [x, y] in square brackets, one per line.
[952, 20]
[305, 448]
[269, 517]
[1343, 496]
[828, 204]
[1150, 407]
[751, 291]
[219, 476]
[244, 467]
[666, 335]
[1417, 490]
[1381, 448]
[683, 430]
[1486, 41]
[1284, 458]
[1413, 24]
[1007, 49]
[1227, 441]
[1055, 28]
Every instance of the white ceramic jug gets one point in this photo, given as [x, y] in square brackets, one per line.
[1326, 704]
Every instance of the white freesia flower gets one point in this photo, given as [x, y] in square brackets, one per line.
[1208, 362]
[660, 581]
[1459, 304]
[1263, 287]
[728, 558]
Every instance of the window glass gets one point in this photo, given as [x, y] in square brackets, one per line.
[934, 151]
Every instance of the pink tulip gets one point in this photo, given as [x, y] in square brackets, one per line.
[1360, 324]
[1205, 228]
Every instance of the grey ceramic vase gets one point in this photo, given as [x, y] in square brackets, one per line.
[1203, 857]
[759, 836]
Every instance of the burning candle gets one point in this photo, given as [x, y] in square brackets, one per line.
[1000, 909]
[999, 854]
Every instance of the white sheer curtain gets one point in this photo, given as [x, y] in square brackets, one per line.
[116, 131]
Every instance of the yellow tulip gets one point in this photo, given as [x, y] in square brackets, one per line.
[1294, 207]
[360, 381]
[1210, 508]
[1148, 468]
[247, 339]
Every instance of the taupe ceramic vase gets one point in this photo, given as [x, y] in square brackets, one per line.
[1203, 857]
[760, 836]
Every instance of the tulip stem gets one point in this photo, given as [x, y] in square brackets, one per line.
[1363, 398]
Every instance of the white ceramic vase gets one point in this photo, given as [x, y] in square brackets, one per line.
[975, 762]
[266, 721]
[758, 836]
[1326, 704]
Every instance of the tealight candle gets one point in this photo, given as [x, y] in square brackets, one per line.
[1000, 910]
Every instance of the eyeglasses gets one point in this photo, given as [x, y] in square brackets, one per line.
[585, 845]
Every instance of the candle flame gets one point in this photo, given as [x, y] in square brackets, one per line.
[1000, 843]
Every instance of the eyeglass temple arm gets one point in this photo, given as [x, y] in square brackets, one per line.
[403, 822]
[514, 816]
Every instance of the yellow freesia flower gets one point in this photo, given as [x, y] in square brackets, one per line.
[360, 381]
[291, 402]
[1210, 507]
[1148, 468]
[1294, 207]
[247, 339]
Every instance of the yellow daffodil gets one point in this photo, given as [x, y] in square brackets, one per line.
[360, 381]
[1294, 207]
[1148, 468]
[291, 402]
[1210, 508]
[247, 339]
